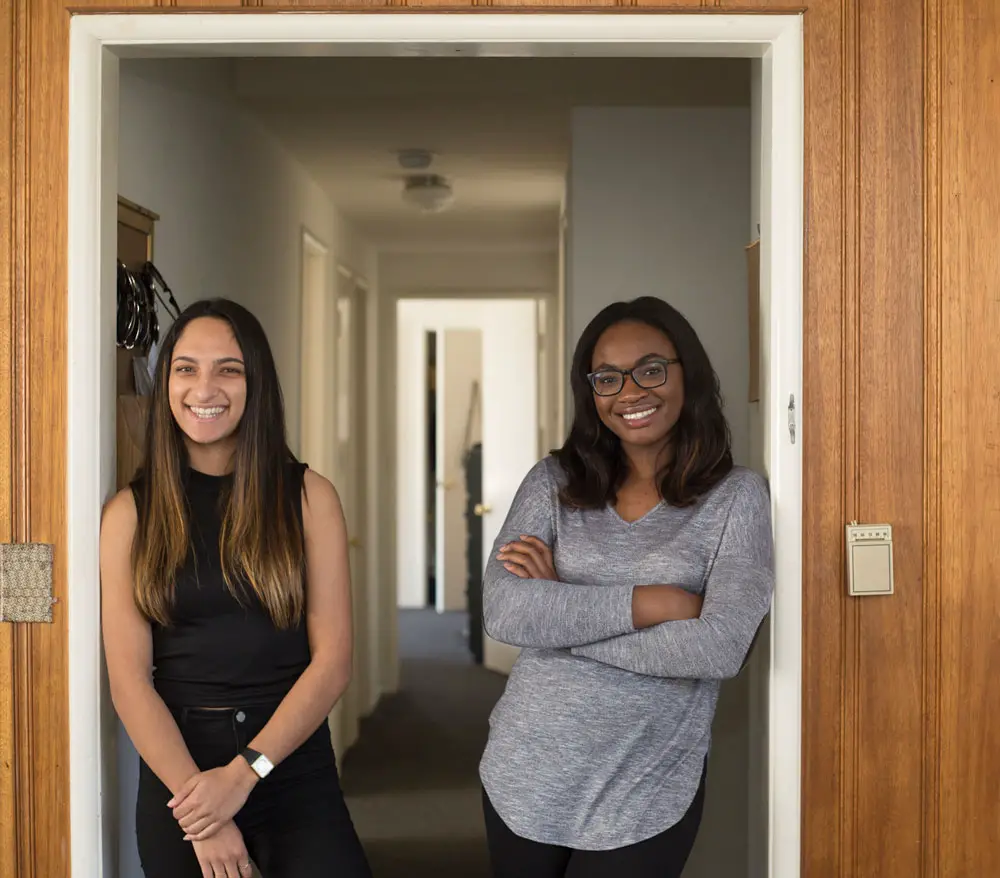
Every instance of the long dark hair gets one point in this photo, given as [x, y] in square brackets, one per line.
[261, 542]
[592, 457]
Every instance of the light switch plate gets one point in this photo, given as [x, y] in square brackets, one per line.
[25, 582]
[869, 559]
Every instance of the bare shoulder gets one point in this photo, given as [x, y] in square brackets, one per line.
[319, 497]
[119, 517]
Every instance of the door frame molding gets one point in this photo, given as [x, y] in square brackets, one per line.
[96, 41]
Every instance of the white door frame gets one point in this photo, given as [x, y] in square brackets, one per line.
[96, 43]
[414, 319]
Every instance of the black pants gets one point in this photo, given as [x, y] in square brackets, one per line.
[662, 856]
[294, 823]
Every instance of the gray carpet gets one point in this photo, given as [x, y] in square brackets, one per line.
[411, 781]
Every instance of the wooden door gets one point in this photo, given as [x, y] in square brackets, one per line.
[901, 423]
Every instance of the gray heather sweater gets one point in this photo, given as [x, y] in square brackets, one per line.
[600, 737]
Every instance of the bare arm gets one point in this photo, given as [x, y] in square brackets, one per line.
[737, 597]
[328, 620]
[128, 647]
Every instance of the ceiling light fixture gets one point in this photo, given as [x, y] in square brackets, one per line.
[429, 193]
[415, 159]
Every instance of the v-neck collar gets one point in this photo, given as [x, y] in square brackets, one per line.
[641, 518]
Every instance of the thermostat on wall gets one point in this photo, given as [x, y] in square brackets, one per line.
[869, 559]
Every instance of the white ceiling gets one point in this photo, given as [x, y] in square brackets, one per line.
[499, 128]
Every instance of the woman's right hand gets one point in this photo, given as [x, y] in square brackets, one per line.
[528, 558]
[224, 855]
[655, 604]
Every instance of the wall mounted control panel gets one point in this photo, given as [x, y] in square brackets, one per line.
[869, 559]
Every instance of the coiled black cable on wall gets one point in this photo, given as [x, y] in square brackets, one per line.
[138, 325]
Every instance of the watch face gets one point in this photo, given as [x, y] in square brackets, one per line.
[262, 765]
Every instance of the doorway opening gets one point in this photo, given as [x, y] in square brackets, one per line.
[430, 454]
[98, 42]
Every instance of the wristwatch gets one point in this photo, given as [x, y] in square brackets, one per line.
[260, 764]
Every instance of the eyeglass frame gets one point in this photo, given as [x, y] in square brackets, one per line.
[625, 373]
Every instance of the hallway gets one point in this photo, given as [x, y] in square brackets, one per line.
[411, 780]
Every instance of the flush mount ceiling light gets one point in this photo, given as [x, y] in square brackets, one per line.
[415, 159]
[429, 193]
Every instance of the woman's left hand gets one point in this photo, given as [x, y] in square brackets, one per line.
[529, 558]
[212, 798]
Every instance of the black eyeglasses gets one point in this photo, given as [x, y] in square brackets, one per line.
[609, 382]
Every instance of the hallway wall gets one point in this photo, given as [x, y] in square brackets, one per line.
[232, 202]
[233, 205]
[659, 204]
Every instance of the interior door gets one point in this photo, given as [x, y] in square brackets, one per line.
[346, 453]
[510, 431]
[459, 424]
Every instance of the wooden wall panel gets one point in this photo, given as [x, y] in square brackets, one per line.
[901, 422]
[201, 5]
[35, 287]
[886, 667]
[8, 799]
[969, 552]
[930, 701]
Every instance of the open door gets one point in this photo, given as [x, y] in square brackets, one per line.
[459, 425]
[348, 450]
[510, 433]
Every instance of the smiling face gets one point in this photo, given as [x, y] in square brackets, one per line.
[641, 417]
[208, 387]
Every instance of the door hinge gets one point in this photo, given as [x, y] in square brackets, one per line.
[791, 418]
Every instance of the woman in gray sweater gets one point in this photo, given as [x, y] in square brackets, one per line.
[634, 569]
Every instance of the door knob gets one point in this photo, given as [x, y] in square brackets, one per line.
[481, 509]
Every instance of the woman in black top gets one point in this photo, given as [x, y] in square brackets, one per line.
[227, 620]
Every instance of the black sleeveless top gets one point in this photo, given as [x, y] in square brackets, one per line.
[218, 651]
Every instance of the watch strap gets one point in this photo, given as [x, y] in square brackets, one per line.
[251, 757]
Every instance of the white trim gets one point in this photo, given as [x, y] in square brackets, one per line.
[782, 242]
[92, 183]
[415, 318]
[198, 34]
[358, 280]
[93, 164]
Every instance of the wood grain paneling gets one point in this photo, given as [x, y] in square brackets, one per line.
[201, 5]
[338, 5]
[886, 665]
[969, 127]
[901, 423]
[8, 798]
[931, 666]
[35, 287]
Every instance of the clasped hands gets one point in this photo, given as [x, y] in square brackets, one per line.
[531, 558]
[205, 806]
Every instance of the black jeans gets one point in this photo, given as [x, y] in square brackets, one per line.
[294, 823]
[662, 856]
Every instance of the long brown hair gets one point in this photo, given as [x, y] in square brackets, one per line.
[592, 458]
[261, 542]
